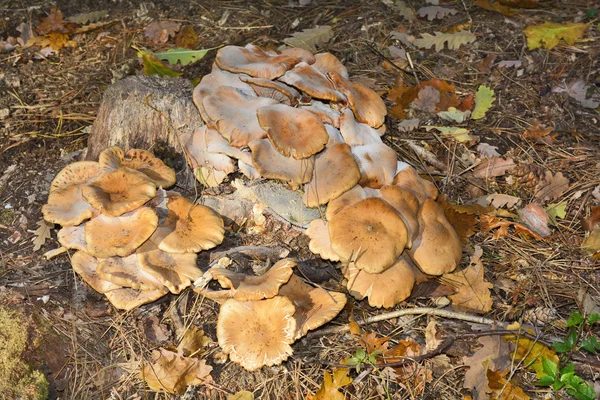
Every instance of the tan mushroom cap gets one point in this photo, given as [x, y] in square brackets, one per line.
[128, 298]
[318, 232]
[326, 114]
[234, 114]
[204, 148]
[246, 288]
[385, 289]
[314, 306]
[85, 266]
[72, 237]
[335, 172]
[75, 173]
[67, 207]
[303, 54]
[257, 333]
[408, 178]
[273, 165]
[356, 133]
[366, 105]
[370, 233]
[312, 82]
[334, 135]
[293, 132]
[251, 60]
[327, 62]
[119, 236]
[273, 89]
[126, 272]
[377, 163]
[175, 271]
[119, 191]
[189, 227]
[354, 195]
[407, 205]
[437, 249]
[150, 165]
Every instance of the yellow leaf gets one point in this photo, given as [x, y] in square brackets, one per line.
[484, 98]
[173, 373]
[531, 352]
[503, 389]
[331, 384]
[548, 34]
[241, 395]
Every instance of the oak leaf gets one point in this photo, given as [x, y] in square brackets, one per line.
[311, 39]
[454, 115]
[439, 39]
[536, 219]
[473, 291]
[501, 389]
[173, 373]
[552, 187]
[588, 223]
[153, 66]
[484, 98]
[539, 135]
[52, 23]
[494, 166]
[435, 12]
[187, 38]
[160, 31]
[493, 354]
[453, 132]
[586, 95]
[331, 383]
[498, 200]
[488, 223]
[549, 34]
[531, 352]
[496, 6]
[465, 224]
[427, 99]
[42, 233]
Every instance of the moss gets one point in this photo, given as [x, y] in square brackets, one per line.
[7, 216]
[17, 379]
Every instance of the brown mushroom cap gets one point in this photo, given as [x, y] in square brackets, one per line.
[204, 148]
[334, 135]
[292, 131]
[407, 205]
[327, 62]
[318, 232]
[437, 249]
[234, 114]
[245, 288]
[314, 306]
[273, 89]
[119, 191]
[385, 289]
[366, 105]
[377, 163]
[85, 266]
[189, 227]
[356, 133]
[72, 237]
[128, 298]
[408, 178]
[274, 165]
[326, 114]
[354, 195]
[67, 207]
[370, 233]
[303, 54]
[126, 272]
[251, 60]
[75, 173]
[312, 82]
[257, 333]
[113, 158]
[119, 236]
[335, 172]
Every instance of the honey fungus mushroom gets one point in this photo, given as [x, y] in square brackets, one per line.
[113, 158]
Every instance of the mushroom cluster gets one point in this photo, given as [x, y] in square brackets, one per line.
[261, 316]
[135, 241]
[298, 118]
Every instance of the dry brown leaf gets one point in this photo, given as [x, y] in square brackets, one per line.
[473, 291]
[493, 354]
[530, 4]
[539, 135]
[591, 244]
[193, 340]
[536, 219]
[464, 223]
[173, 373]
[498, 200]
[485, 65]
[52, 23]
[160, 31]
[42, 233]
[588, 223]
[187, 38]
[402, 96]
[435, 12]
[331, 383]
[413, 375]
[427, 99]
[492, 5]
[494, 166]
[501, 389]
[154, 332]
[487, 223]
[552, 187]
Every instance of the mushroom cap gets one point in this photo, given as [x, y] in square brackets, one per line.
[247, 288]
[370, 233]
[119, 191]
[407, 205]
[251, 60]
[273, 89]
[128, 298]
[189, 227]
[75, 173]
[204, 148]
[126, 272]
[408, 178]
[366, 105]
[312, 82]
[257, 333]
[67, 207]
[354, 195]
[303, 54]
[314, 306]
[85, 265]
[114, 157]
[217, 78]
[385, 289]
[437, 249]
[72, 237]
[234, 114]
[293, 132]
[326, 114]
[334, 135]
[318, 232]
[327, 62]
[175, 271]
[377, 163]
[119, 236]
[356, 133]
[273, 165]
[334, 173]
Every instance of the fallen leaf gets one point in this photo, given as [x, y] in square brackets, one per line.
[173, 373]
[408, 125]
[530, 352]
[495, 6]
[463, 223]
[453, 132]
[473, 291]
[403, 9]
[539, 135]
[463, 26]
[493, 167]
[529, 4]
[193, 341]
[404, 38]
[487, 150]
[484, 98]
[454, 115]
[52, 23]
[187, 38]
[153, 66]
[160, 31]
[154, 332]
[454, 40]
[435, 12]
[590, 222]
[509, 64]
[241, 395]
[331, 384]
[427, 99]
[586, 95]
[498, 200]
[402, 96]
[494, 353]
[354, 328]
[591, 244]
[552, 186]
[311, 39]
[42, 233]
[179, 55]
[84, 18]
[6, 47]
[413, 375]
[501, 389]
[536, 219]
[485, 65]
[487, 223]
[467, 103]
[548, 34]
[587, 302]
[557, 210]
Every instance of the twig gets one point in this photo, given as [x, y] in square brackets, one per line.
[426, 155]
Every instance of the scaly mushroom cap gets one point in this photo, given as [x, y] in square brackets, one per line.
[370, 233]
[314, 306]
[72, 237]
[113, 158]
[318, 232]
[119, 191]
[246, 288]
[75, 173]
[312, 82]
[327, 62]
[126, 272]
[407, 205]
[356, 133]
[366, 105]
[234, 114]
[257, 333]
[67, 207]
[408, 178]
[385, 289]
[189, 227]
[335, 172]
[377, 163]
[85, 266]
[251, 60]
[119, 236]
[273, 89]
[437, 249]
[354, 195]
[128, 298]
[273, 165]
[175, 271]
[292, 131]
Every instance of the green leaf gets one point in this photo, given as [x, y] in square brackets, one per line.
[561, 347]
[550, 367]
[454, 115]
[591, 13]
[556, 210]
[593, 318]
[352, 361]
[153, 66]
[557, 385]
[569, 369]
[585, 392]
[549, 34]
[484, 98]
[360, 354]
[545, 381]
[589, 345]
[575, 319]
[452, 132]
[183, 56]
